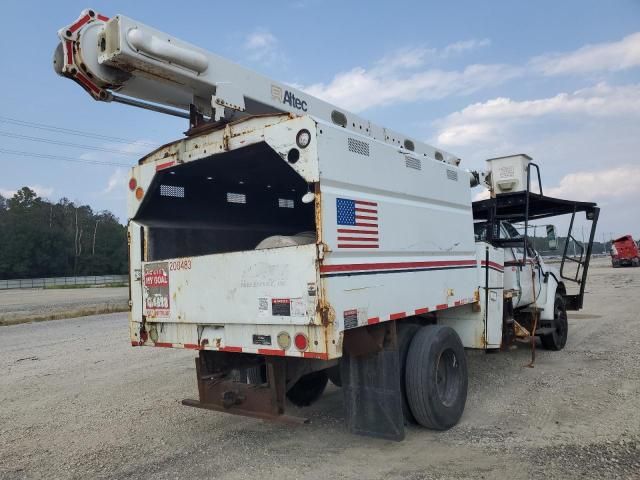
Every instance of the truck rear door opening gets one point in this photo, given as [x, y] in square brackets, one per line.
[229, 202]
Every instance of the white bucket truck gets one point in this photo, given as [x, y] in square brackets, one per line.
[290, 242]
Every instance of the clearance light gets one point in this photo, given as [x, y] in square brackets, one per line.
[132, 184]
[139, 193]
[300, 341]
[284, 340]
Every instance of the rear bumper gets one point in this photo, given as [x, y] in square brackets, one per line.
[235, 337]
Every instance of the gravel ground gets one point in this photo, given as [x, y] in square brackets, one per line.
[77, 402]
[34, 304]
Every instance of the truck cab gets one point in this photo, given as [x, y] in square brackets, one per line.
[525, 277]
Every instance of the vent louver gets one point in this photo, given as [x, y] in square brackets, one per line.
[171, 191]
[359, 147]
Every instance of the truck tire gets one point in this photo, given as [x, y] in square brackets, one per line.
[308, 389]
[558, 338]
[405, 335]
[334, 375]
[436, 377]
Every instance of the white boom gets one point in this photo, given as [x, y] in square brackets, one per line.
[123, 60]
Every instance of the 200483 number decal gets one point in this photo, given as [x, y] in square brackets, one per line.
[182, 264]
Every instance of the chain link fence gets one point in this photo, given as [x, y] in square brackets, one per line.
[64, 281]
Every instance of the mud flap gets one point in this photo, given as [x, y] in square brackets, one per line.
[372, 395]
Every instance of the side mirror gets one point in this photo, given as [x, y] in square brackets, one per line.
[552, 238]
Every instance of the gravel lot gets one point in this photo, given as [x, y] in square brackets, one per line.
[76, 401]
[34, 304]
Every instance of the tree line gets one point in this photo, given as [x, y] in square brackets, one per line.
[39, 238]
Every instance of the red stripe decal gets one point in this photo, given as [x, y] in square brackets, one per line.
[192, 346]
[321, 356]
[395, 265]
[163, 344]
[136, 344]
[357, 246]
[87, 83]
[69, 47]
[366, 217]
[364, 224]
[373, 320]
[396, 316]
[103, 18]
[420, 311]
[79, 23]
[442, 306]
[230, 349]
[162, 166]
[271, 351]
[493, 264]
[362, 202]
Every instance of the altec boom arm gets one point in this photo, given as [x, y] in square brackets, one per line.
[120, 59]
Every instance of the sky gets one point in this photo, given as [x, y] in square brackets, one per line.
[559, 81]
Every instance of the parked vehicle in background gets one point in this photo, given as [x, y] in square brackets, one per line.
[624, 252]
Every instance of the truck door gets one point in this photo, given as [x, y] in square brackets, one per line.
[518, 275]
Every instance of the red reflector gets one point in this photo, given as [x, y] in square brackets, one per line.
[300, 341]
[132, 184]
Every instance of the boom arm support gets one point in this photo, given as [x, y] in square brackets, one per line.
[121, 59]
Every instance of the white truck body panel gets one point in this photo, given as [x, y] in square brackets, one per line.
[419, 257]
[394, 239]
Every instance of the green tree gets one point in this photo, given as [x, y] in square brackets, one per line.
[39, 238]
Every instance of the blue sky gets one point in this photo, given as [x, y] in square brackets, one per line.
[557, 80]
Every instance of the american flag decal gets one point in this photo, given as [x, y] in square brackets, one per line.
[357, 223]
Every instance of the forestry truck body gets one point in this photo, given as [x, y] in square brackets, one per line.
[289, 241]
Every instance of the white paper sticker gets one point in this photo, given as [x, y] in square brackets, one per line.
[298, 307]
[263, 305]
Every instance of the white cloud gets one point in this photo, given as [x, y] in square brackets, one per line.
[486, 121]
[464, 46]
[133, 150]
[117, 180]
[618, 182]
[359, 88]
[260, 40]
[262, 46]
[611, 57]
[41, 191]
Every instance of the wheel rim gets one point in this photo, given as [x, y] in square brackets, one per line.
[448, 377]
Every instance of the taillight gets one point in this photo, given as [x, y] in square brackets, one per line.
[139, 193]
[300, 341]
[132, 184]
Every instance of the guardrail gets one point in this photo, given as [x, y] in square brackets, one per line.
[63, 281]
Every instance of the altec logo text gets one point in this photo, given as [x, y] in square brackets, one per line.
[285, 96]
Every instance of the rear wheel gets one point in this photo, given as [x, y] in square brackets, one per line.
[308, 388]
[436, 377]
[334, 375]
[405, 335]
[557, 339]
